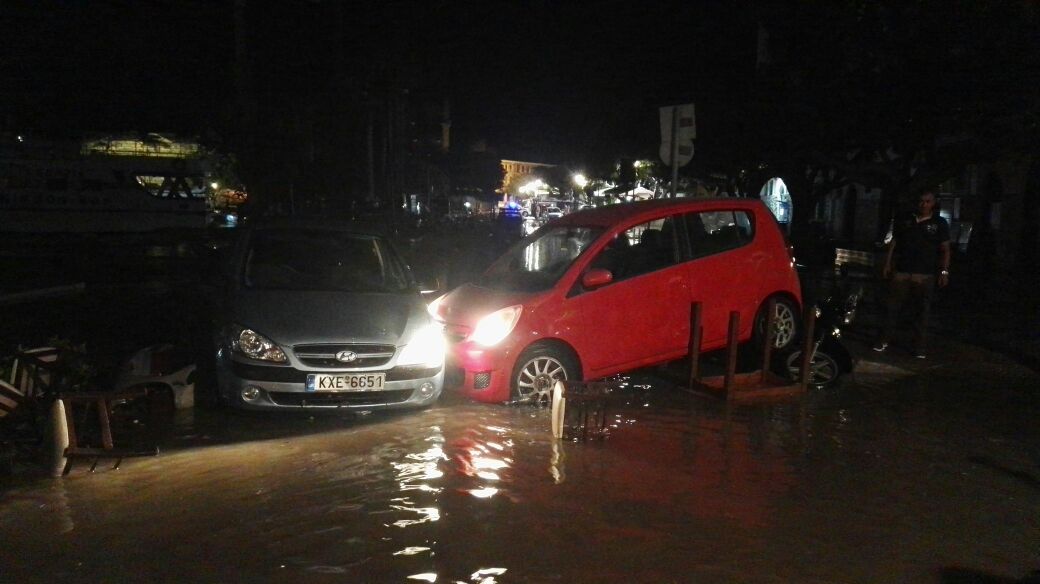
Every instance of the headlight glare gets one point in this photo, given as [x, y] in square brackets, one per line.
[496, 326]
[426, 347]
[256, 346]
[434, 308]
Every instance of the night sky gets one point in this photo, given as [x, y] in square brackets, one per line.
[546, 77]
[572, 82]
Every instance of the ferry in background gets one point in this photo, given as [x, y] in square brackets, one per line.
[110, 184]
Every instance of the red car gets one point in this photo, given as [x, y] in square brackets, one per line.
[608, 290]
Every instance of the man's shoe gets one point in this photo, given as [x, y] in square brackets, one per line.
[880, 346]
[919, 355]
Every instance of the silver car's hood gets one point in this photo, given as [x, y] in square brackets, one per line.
[294, 317]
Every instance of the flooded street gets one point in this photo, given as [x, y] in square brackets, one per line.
[292, 292]
[909, 473]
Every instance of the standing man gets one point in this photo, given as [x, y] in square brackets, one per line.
[920, 247]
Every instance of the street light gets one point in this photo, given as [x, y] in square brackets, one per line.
[580, 180]
[214, 185]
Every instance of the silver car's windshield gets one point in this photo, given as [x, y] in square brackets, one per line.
[537, 262]
[331, 260]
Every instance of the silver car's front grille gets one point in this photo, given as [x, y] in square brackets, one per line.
[340, 398]
[326, 355]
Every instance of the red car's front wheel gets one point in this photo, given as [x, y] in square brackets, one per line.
[539, 368]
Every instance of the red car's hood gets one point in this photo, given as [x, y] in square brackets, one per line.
[469, 303]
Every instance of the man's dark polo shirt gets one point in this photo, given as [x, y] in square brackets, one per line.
[917, 244]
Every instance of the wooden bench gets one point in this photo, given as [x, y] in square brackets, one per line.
[855, 259]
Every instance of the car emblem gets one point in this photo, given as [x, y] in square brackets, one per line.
[346, 356]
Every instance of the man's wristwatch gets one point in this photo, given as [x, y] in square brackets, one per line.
[944, 272]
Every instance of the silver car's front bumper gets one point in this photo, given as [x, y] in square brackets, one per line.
[284, 388]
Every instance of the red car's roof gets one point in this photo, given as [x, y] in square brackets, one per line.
[612, 214]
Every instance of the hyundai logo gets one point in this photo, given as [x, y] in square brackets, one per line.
[346, 356]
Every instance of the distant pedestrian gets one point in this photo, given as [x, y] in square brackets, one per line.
[920, 249]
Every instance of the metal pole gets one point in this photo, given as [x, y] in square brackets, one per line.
[675, 149]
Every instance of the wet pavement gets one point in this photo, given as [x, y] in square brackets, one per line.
[910, 472]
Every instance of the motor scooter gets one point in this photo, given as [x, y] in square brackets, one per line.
[830, 357]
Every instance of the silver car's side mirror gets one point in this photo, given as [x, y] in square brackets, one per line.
[427, 288]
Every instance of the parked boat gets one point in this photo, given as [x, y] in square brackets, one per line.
[102, 185]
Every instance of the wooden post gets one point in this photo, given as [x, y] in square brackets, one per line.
[770, 334]
[104, 420]
[731, 344]
[71, 426]
[807, 346]
[559, 404]
[696, 337]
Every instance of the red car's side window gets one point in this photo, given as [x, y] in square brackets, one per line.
[712, 232]
[639, 250]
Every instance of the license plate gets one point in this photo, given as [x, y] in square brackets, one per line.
[353, 382]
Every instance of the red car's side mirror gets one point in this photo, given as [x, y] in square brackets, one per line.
[596, 277]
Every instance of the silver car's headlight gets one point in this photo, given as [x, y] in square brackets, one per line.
[426, 347]
[255, 346]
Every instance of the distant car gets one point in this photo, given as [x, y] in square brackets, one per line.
[553, 213]
[609, 290]
[325, 315]
[512, 210]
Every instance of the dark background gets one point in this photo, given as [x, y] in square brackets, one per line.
[292, 87]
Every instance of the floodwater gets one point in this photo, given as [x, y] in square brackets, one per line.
[908, 473]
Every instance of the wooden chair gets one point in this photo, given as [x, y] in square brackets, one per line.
[37, 389]
[579, 408]
[102, 402]
[10, 398]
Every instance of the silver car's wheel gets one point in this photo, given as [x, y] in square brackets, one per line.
[537, 370]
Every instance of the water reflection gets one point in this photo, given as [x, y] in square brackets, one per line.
[411, 551]
[486, 575]
[681, 489]
[487, 460]
[557, 462]
[417, 475]
[407, 496]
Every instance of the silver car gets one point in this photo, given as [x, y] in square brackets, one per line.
[324, 315]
